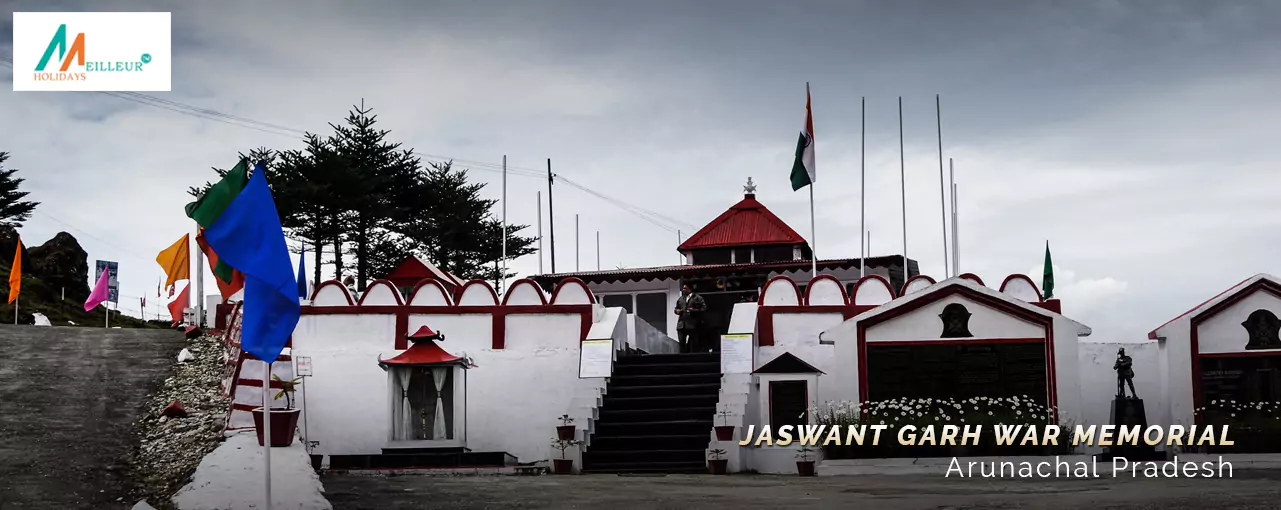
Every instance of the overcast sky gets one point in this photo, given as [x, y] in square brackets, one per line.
[1138, 138]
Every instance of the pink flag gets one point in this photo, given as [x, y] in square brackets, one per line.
[99, 293]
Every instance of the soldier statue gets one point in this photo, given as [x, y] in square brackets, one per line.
[1124, 367]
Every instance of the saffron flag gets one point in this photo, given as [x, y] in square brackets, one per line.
[176, 306]
[302, 273]
[176, 260]
[211, 205]
[803, 167]
[247, 234]
[99, 293]
[15, 273]
[1047, 277]
[228, 287]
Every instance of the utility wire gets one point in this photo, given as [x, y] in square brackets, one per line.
[657, 219]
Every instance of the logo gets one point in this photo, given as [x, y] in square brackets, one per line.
[91, 51]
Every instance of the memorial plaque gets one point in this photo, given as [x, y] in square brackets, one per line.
[959, 370]
[595, 358]
[1243, 378]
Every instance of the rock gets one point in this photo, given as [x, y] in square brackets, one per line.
[61, 264]
[174, 410]
[41, 320]
[185, 356]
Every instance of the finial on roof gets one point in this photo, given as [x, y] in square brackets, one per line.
[749, 188]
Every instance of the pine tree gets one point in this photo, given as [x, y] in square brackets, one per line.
[13, 209]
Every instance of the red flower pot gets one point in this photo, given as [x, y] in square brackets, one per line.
[805, 467]
[563, 466]
[565, 432]
[724, 432]
[283, 423]
[717, 466]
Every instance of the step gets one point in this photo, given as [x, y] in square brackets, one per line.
[621, 381]
[657, 428]
[666, 369]
[595, 457]
[666, 390]
[651, 415]
[648, 467]
[615, 403]
[650, 443]
[421, 460]
[649, 359]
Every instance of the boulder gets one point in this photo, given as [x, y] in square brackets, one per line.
[61, 264]
[174, 410]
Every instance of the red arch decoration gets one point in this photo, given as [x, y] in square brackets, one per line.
[333, 283]
[864, 279]
[760, 300]
[463, 290]
[542, 300]
[974, 278]
[1039, 296]
[449, 300]
[591, 298]
[903, 291]
[845, 298]
[387, 283]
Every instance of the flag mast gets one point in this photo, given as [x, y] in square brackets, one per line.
[862, 184]
[902, 172]
[504, 275]
[809, 112]
[938, 109]
[540, 232]
[200, 282]
[956, 257]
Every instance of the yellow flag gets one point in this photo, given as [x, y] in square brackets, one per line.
[176, 260]
[15, 274]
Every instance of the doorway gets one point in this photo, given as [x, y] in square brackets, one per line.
[720, 306]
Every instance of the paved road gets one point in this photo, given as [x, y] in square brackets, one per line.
[1249, 489]
[68, 400]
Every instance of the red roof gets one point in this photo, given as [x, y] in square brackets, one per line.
[424, 332]
[746, 223]
[424, 353]
[415, 269]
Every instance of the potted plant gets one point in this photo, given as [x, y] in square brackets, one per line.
[716, 464]
[563, 466]
[283, 421]
[805, 461]
[565, 431]
[724, 432]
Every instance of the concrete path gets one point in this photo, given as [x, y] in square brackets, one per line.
[1249, 489]
[233, 477]
[68, 400]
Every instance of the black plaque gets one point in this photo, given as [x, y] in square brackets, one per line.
[1241, 378]
[958, 370]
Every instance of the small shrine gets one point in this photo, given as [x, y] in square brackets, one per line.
[429, 394]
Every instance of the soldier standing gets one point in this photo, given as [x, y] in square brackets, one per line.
[689, 309]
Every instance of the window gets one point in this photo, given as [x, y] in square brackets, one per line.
[623, 301]
[742, 255]
[776, 253]
[788, 403]
[425, 411]
[653, 308]
[712, 256]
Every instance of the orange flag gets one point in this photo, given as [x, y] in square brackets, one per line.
[176, 260]
[15, 274]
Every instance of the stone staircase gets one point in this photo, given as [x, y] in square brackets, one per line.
[656, 416]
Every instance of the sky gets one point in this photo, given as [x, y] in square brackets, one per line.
[1136, 138]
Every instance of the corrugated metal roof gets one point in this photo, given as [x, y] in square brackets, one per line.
[652, 273]
[746, 223]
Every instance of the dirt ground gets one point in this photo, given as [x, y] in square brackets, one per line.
[1248, 489]
[68, 399]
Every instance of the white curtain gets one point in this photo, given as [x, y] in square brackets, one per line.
[438, 375]
[406, 410]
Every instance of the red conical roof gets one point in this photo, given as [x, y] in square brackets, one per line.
[424, 353]
[747, 223]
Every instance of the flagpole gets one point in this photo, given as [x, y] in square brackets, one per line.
[504, 275]
[938, 109]
[956, 257]
[540, 232]
[200, 283]
[577, 251]
[598, 250]
[551, 216]
[15, 311]
[862, 184]
[813, 231]
[902, 172]
[680, 258]
[266, 429]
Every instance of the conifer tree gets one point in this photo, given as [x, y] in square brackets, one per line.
[13, 209]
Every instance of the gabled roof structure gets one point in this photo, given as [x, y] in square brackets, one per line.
[747, 223]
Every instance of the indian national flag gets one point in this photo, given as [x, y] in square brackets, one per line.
[803, 167]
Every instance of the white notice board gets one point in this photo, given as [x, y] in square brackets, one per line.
[737, 354]
[302, 365]
[595, 358]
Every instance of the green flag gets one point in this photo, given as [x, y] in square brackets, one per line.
[206, 209]
[1047, 279]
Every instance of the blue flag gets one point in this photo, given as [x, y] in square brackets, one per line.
[248, 236]
[302, 273]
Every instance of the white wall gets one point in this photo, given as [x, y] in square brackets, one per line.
[1224, 333]
[346, 398]
[924, 323]
[798, 333]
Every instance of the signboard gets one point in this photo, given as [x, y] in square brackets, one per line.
[302, 365]
[113, 281]
[595, 358]
[737, 354]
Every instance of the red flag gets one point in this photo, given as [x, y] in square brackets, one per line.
[227, 289]
[175, 307]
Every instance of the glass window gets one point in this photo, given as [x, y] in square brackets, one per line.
[653, 308]
[623, 301]
[776, 253]
[712, 256]
[742, 255]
